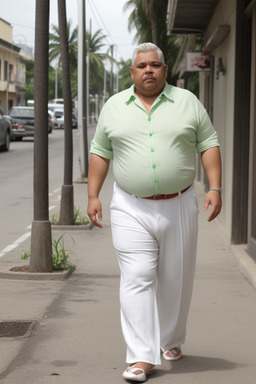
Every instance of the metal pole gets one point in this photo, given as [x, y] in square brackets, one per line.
[82, 107]
[56, 83]
[105, 82]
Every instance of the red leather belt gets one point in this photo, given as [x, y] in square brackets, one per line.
[165, 197]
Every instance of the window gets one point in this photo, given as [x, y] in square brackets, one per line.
[11, 73]
[5, 70]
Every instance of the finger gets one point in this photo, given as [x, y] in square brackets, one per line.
[95, 221]
[93, 218]
[98, 220]
[214, 213]
[206, 205]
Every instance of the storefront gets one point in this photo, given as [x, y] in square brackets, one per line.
[228, 91]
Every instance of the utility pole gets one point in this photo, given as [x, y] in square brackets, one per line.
[104, 85]
[41, 237]
[111, 71]
[67, 190]
[56, 83]
[82, 99]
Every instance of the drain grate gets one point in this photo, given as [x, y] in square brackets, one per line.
[16, 328]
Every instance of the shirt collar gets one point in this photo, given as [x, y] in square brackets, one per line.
[166, 92]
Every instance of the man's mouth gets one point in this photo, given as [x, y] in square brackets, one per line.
[149, 79]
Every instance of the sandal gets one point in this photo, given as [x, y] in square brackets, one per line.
[130, 374]
[172, 354]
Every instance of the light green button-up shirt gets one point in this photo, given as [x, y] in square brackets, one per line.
[153, 153]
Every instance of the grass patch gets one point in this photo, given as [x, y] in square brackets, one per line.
[60, 255]
[79, 217]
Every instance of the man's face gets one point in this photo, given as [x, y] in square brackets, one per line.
[148, 74]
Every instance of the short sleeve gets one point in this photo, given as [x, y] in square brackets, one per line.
[100, 144]
[206, 135]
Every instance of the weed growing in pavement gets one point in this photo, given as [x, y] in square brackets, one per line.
[79, 218]
[55, 218]
[60, 255]
[25, 255]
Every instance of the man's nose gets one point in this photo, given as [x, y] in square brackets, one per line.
[149, 68]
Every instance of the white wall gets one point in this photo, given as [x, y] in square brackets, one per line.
[223, 101]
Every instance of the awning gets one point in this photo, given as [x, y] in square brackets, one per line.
[189, 16]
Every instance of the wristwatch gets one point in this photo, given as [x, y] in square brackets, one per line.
[216, 189]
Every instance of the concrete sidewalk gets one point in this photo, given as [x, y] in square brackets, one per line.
[77, 337]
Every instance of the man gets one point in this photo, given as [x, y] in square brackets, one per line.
[151, 132]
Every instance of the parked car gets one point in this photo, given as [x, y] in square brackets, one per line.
[53, 106]
[74, 120]
[59, 118]
[58, 115]
[23, 122]
[51, 120]
[6, 133]
[56, 101]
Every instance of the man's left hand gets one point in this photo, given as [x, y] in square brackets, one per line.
[213, 199]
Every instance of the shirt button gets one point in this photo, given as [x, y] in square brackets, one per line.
[152, 150]
[154, 166]
[149, 118]
[151, 134]
[155, 181]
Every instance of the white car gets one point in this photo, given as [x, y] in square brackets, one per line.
[59, 118]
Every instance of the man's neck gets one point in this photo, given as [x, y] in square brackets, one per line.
[147, 101]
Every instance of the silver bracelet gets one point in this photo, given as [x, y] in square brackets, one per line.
[216, 189]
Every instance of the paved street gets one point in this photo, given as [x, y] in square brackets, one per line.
[77, 337]
[16, 178]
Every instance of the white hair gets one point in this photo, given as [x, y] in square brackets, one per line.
[147, 47]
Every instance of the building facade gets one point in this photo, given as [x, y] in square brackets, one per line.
[228, 91]
[12, 70]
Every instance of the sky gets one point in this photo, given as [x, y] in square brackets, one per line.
[107, 15]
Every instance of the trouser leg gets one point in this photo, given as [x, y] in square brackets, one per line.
[137, 252]
[176, 267]
[155, 243]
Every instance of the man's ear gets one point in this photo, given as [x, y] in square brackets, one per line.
[131, 72]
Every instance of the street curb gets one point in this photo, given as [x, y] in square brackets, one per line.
[245, 263]
[74, 227]
[6, 273]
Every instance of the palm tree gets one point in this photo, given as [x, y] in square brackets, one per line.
[41, 240]
[54, 51]
[148, 17]
[67, 193]
[54, 45]
[150, 11]
[138, 21]
[95, 46]
[185, 43]
[125, 77]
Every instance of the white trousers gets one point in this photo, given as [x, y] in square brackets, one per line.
[155, 243]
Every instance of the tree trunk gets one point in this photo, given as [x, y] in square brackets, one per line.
[154, 29]
[41, 239]
[148, 6]
[67, 193]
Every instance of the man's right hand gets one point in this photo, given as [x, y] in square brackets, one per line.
[94, 211]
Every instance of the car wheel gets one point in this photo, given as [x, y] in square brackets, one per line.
[7, 141]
